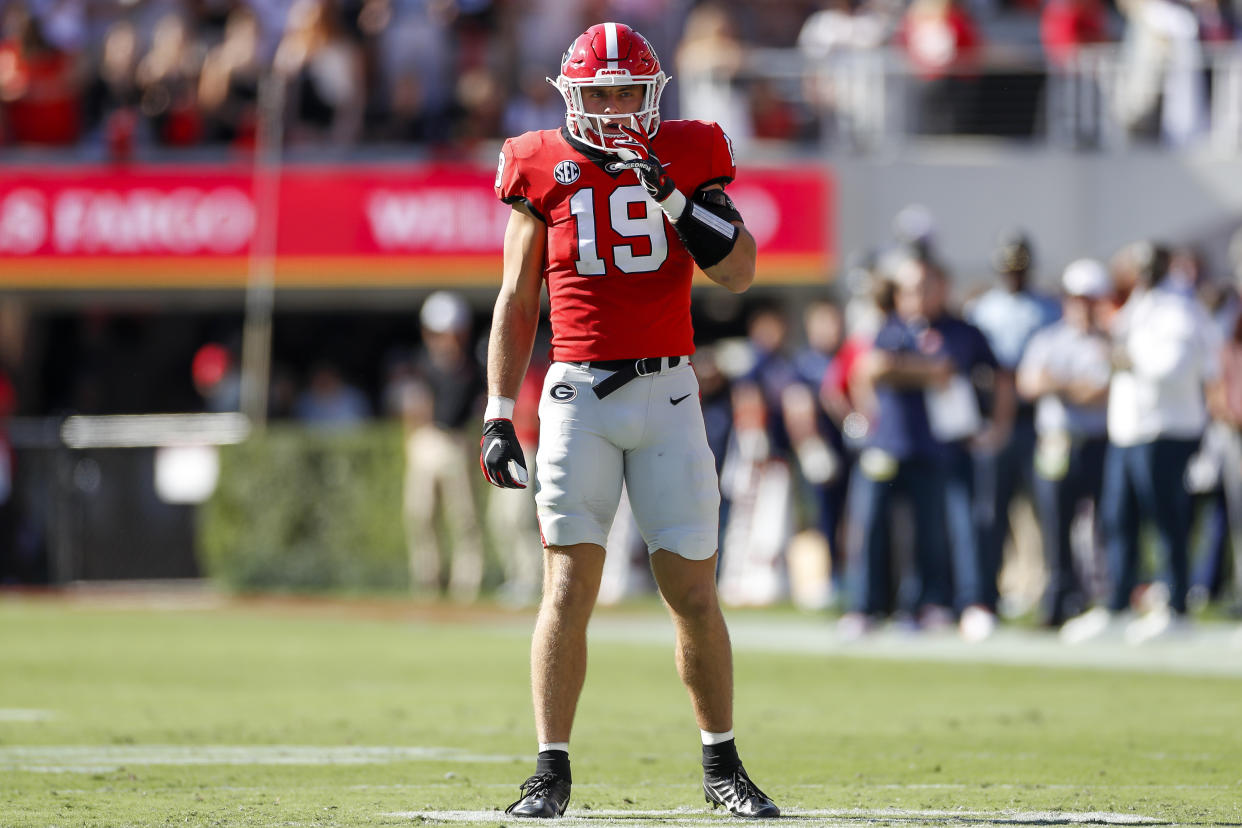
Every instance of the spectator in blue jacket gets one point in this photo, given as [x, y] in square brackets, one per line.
[900, 458]
[957, 423]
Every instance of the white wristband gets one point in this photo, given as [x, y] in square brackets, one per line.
[498, 408]
[674, 206]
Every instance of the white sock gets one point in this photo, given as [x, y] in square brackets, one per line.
[554, 746]
[715, 738]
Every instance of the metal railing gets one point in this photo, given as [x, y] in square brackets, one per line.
[869, 101]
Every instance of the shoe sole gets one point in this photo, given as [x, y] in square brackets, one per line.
[715, 803]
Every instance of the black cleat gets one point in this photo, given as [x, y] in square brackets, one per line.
[739, 795]
[544, 795]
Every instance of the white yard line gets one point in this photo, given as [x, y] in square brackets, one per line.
[107, 758]
[848, 816]
[24, 714]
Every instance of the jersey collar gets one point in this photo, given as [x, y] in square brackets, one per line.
[597, 157]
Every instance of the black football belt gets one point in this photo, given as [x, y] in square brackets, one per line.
[625, 370]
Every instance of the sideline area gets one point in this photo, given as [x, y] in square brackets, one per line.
[1209, 648]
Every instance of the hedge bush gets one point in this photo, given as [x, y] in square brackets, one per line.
[305, 510]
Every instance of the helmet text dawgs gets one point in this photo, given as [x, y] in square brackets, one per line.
[609, 54]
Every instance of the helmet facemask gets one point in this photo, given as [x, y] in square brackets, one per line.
[590, 128]
[612, 55]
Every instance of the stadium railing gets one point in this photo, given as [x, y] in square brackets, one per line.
[866, 100]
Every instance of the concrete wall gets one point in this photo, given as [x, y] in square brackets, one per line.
[1071, 204]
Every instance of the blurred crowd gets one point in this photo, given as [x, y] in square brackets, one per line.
[871, 445]
[879, 462]
[889, 446]
[895, 450]
[123, 76]
[1037, 68]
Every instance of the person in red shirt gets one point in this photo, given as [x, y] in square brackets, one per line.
[599, 219]
[40, 87]
[1065, 26]
[939, 37]
[942, 43]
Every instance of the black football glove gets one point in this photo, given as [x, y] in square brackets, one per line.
[636, 154]
[501, 457]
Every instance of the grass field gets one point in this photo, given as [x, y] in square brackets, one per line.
[272, 713]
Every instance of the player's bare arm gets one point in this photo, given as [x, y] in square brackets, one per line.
[516, 314]
[514, 320]
[736, 271]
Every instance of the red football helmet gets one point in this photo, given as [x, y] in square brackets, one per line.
[609, 54]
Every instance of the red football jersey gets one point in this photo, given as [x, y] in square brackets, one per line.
[618, 276]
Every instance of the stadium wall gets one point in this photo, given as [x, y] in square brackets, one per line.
[360, 227]
[1071, 204]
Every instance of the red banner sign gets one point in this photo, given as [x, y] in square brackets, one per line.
[339, 226]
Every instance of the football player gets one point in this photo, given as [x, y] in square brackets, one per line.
[612, 212]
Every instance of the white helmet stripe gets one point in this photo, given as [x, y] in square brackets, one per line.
[610, 41]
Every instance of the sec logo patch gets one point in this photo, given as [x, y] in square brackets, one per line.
[566, 172]
[562, 392]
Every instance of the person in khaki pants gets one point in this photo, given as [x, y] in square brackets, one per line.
[444, 394]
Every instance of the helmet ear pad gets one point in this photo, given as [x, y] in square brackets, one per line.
[609, 54]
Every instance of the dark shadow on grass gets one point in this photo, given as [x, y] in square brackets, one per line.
[871, 820]
[707, 818]
[895, 819]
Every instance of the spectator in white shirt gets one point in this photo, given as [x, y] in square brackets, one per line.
[1065, 372]
[1166, 354]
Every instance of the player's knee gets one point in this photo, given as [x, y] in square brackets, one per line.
[571, 579]
[693, 600]
[568, 598]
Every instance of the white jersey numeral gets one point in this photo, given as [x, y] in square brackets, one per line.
[582, 206]
[650, 226]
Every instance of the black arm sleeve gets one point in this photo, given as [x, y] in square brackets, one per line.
[706, 227]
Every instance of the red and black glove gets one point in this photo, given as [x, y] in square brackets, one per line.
[705, 225]
[501, 456]
[636, 154]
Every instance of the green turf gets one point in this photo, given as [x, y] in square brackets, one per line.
[816, 732]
